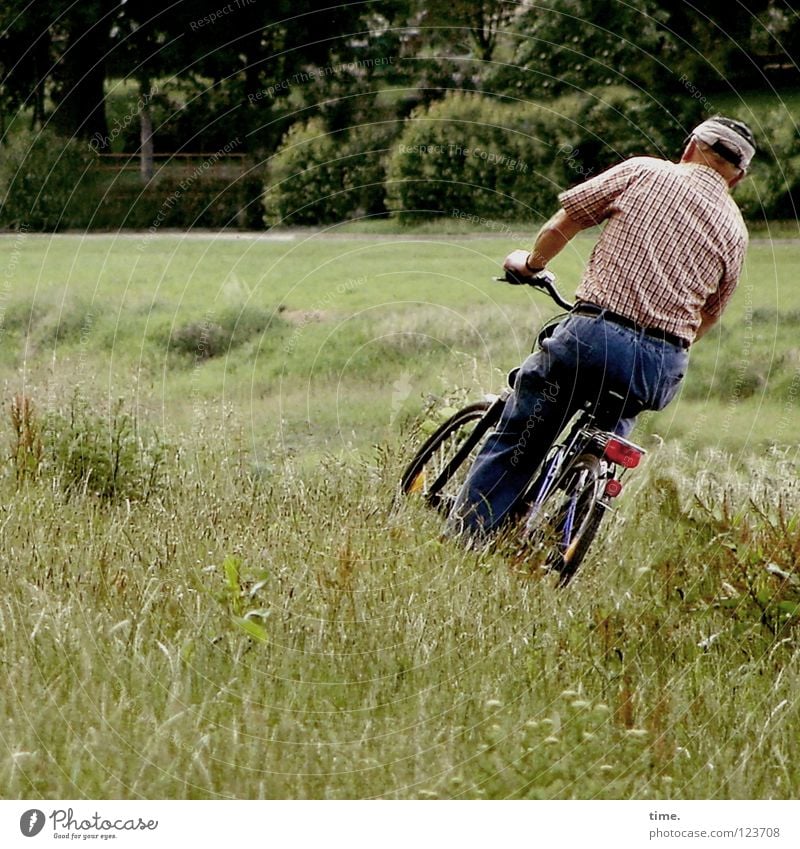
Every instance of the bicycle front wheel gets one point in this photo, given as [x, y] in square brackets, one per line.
[566, 523]
[440, 467]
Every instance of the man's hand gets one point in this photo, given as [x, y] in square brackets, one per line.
[517, 261]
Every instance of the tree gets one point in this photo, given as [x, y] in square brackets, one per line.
[57, 49]
[482, 19]
[66, 50]
[80, 36]
[24, 59]
[148, 43]
[580, 44]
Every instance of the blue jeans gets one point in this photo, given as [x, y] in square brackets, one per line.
[585, 357]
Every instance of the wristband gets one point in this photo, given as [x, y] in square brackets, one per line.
[531, 268]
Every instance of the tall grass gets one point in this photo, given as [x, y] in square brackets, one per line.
[248, 634]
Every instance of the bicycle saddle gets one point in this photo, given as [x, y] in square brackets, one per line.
[612, 406]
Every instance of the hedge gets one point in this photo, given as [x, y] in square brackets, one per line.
[44, 180]
[510, 159]
[480, 156]
[209, 202]
[318, 176]
[40, 192]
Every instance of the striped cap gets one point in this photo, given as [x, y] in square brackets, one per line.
[731, 139]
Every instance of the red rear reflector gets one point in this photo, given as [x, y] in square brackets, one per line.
[613, 488]
[623, 453]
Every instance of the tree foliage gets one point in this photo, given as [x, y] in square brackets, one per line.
[191, 76]
[574, 45]
[476, 22]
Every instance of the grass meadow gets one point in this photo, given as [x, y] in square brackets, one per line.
[207, 589]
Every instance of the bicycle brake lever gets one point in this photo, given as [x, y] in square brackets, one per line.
[543, 279]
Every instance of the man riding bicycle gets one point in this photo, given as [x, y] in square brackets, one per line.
[661, 274]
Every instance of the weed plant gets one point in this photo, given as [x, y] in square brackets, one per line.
[80, 450]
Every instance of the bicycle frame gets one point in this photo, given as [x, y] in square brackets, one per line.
[582, 438]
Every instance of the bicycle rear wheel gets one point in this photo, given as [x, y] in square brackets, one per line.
[566, 523]
[440, 467]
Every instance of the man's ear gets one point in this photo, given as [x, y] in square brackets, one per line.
[737, 179]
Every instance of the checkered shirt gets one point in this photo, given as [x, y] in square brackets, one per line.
[673, 243]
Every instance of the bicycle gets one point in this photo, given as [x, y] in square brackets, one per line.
[566, 500]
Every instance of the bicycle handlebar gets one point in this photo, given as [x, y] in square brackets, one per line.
[543, 280]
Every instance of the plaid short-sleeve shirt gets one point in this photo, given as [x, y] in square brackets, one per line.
[673, 243]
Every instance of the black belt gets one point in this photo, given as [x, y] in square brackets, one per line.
[587, 308]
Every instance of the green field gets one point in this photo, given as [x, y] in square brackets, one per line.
[232, 608]
[331, 343]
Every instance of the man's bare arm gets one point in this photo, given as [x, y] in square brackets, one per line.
[551, 239]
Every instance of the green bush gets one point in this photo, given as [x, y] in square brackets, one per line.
[318, 177]
[102, 454]
[471, 154]
[214, 336]
[41, 321]
[45, 181]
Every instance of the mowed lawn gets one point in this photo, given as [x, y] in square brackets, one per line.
[239, 607]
